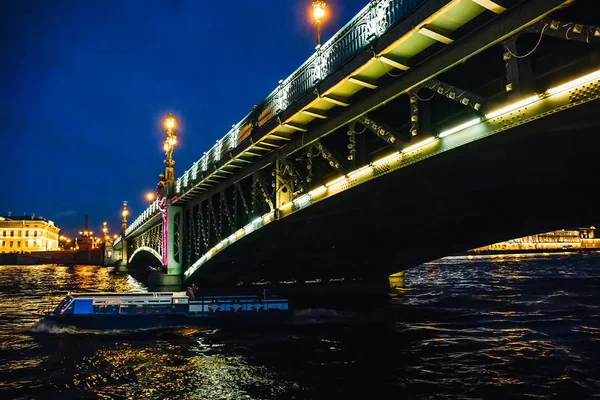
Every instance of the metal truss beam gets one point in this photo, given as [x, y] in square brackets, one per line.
[454, 93]
[566, 30]
[238, 189]
[258, 181]
[506, 24]
[519, 80]
[382, 130]
[494, 6]
[333, 160]
[414, 112]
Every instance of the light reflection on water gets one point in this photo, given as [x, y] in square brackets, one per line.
[462, 327]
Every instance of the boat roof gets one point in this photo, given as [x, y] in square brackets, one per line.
[112, 294]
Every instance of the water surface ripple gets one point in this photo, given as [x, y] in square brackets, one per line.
[483, 327]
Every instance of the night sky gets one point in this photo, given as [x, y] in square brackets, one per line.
[85, 85]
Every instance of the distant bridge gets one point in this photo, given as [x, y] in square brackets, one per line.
[421, 129]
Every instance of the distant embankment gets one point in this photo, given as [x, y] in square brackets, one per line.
[91, 257]
[581, 245]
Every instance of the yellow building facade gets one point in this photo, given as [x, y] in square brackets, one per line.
[27, 234]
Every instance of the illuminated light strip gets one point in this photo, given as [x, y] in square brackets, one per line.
[286, 205]
[256, 221]
[249, 228]
[360, 171]
[392, 157]
[301, 199]
[317, 191]
[419, 145]
[511, 107]
[335, 181]
[460, 127]
[269, 217]
[149, 250]
[574, 83]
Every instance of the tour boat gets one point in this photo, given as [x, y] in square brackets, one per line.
[163, 309]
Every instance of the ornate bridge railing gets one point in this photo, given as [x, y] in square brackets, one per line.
[371, 22]
[143, 217]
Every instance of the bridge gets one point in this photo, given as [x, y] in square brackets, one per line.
[421, 129]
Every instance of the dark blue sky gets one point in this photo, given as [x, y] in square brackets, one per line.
[86, 83]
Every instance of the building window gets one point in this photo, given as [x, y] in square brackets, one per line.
[25, 244]
[11, 243]
[4, 234]
[35, 233]
[26, 233]
[19, 243]
[35, 243]
[12, 233]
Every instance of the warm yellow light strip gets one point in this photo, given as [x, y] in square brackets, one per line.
[335, 181]
[392, 157]
[360, 171]
[459, 128]
[419, 145]
[574, 83]
[317, 191]
[511, 107]
[286, 206]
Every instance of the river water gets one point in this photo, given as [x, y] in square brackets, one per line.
[483, 327]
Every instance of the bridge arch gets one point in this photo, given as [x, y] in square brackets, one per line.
[481, 192]
[147, 250]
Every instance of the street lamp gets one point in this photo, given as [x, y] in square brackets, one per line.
[150, 197]
[124, 215]
[318, 14]
[168, 178]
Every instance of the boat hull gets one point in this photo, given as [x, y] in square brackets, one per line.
[117, 322]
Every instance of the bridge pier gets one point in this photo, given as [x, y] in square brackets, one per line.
[161, 282]
[121, 265]
[172, 249]
[173, 236]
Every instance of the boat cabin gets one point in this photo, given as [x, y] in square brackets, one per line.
[161, 303]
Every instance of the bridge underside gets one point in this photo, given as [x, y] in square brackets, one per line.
[537, 177]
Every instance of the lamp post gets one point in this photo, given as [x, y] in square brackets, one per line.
[168, 178]
[124, 215]
[318, 7]
[104, 231]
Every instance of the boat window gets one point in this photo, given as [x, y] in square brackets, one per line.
[109, 309]
[158, 309]
[127, 309]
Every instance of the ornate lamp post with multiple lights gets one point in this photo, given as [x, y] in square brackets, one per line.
[124, 215]
[168, 178]
[171, 214]
[318, 7]
[122, 265]
[104, 231]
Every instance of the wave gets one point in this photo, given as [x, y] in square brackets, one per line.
[328, 316]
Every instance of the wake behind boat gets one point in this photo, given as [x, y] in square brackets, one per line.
[163, 309]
